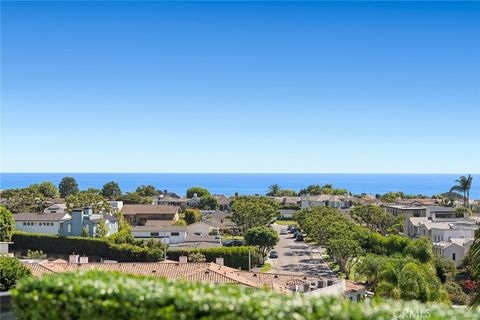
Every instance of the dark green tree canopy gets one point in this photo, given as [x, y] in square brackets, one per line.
[68, 186]
[147, 191]
[47, 189]
[199, 191]
[192, 216]
[7, 224]
[249, 212]
[11, 270]
[265, 238]
[208, 202]
[111, 190]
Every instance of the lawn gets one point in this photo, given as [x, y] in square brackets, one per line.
[285, 222]
[229, 237]
[266, 267]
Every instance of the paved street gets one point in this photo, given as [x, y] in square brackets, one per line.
[297, 257]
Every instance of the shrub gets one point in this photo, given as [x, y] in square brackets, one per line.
[234, 257]
[102, 295]
[192, 216]
[11, 270]
[7, 224]
[94, 247]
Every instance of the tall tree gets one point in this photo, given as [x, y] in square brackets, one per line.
[86, 199]
[273, 190]
[146, 191]
[249, 212]
[47, 189]
[208, 202]
[7, 224]
[464, 184]
[264, 237]
[67, 187]
[111, 190]
[101, 230]
[199, 191]
[192, 216]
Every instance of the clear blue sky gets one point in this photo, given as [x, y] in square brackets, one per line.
[240, 87]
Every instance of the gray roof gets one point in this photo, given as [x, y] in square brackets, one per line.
[41, 216]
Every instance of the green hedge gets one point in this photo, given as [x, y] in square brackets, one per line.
[102, 295]
[93, 247]
[234, 257]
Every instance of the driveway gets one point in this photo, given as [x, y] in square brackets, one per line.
[298, 258]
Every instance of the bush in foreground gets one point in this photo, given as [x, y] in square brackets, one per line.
[102, 295]
[11, 270]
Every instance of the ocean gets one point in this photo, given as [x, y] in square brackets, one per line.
[251, 183]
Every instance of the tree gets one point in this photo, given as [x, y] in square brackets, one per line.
[370, 266]
[85, 199]
[345, 252]
[420, 249]
[85, 232]
[375, 218]
[264, 237]
[464, 185]
[248, 212]
[199, 191]
[111, 190]
[474, 256]
[192, 216]
[7, 224]
[24, 200]
[68, 186]
[134, 198]
[208, 202]
[444, 268]
[196, 257]
[101, 230]
[11, 270]
[456, 294]
[273, 190]
[47, 189]
[94, 190]
[146, 191]
[179, 222]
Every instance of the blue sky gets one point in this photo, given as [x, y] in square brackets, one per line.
[379, 87]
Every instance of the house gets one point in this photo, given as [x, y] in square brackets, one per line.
[138, 214]
[287, 214]
[56, 208]
[85, 219]
[194, 202]
[166, 234]
[205, 272]
[223, 202]
[419, 202]
[326, 200]
[287, 201]
[455, 249]
[116, 205]
[49, 223]
[405, 210]
[171, 201]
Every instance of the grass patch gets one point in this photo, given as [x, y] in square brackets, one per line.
[285, 222]
[266, 267]
[229, 237]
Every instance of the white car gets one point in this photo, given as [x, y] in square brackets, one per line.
[283, 231]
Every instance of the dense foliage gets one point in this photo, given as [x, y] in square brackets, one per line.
[192, 216]
[265, 238]
[7, 224]
[111, 190]
[11, 270]
[249, 212]
[93, 247]
[102, 295]
[24, 200]
[67, 187]
[234, 257]
[84, 199]
[316, 189]
[276, 191]
[199, 191]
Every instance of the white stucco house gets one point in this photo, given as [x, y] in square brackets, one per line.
[48, 223]
[455, 249]
[165, 234]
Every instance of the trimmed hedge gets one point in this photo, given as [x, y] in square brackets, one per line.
[234, 257]
[95, 247]
[101, 295]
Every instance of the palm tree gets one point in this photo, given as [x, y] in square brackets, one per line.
[273, 190]
[464, 185]
[475, 256]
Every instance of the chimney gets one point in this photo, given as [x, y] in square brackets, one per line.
[83, 259]
[73, 258]
[183, 259]
[219, 261]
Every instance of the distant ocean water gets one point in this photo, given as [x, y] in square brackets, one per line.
[251, 183]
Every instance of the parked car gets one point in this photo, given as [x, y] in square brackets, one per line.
[299, 237]
[296, 233]
[233, 243]
[283, 231]
[293, 229]
[290, 226]
[273, 254]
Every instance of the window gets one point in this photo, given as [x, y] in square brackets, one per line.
[69, 228]
[24, 223]
[174, 234]
[154, 234]
[53, 211]
[358, 297]
[453, 256]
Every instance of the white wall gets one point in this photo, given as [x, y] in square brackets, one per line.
[337, 289]
[445, 234]
[170, 239]
[37, 228]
